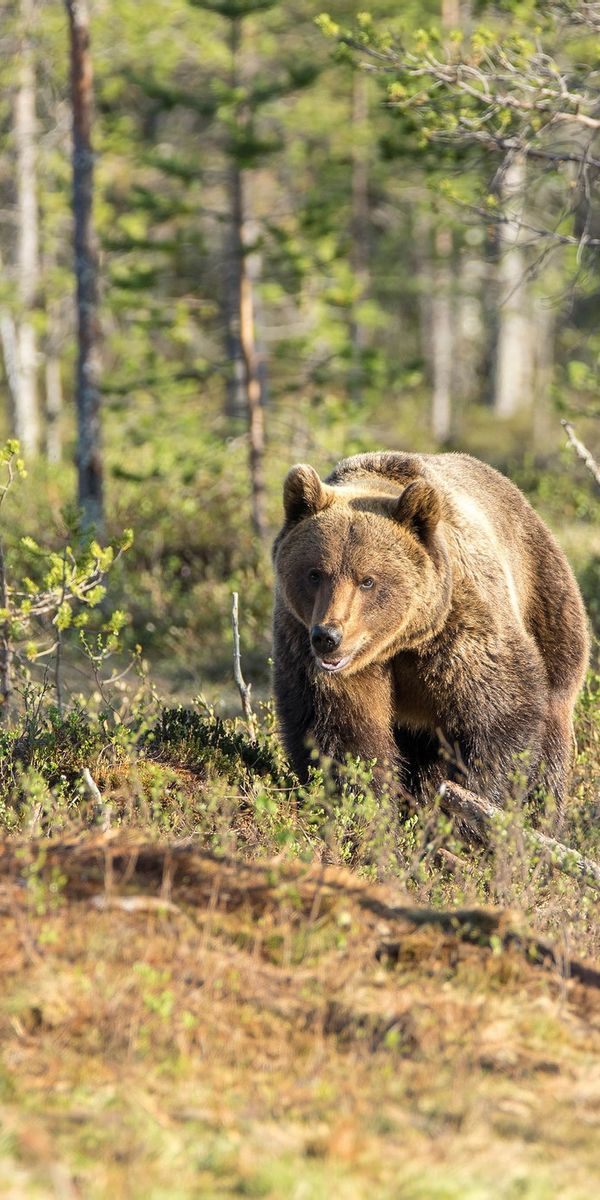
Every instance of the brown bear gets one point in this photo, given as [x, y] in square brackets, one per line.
[422, 606]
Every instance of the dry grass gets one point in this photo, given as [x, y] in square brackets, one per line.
[177, 1024]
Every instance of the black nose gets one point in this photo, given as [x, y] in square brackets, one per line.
[325, 637]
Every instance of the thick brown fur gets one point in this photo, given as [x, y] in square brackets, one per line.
[463, 635]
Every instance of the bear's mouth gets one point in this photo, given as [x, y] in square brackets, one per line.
[334, 664]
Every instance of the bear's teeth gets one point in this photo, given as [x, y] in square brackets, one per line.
[329, 665]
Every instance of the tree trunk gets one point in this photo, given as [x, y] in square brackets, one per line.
[256, 424]
[53, 406]
[236, 406]
[87, 387]
[469, 355]
[26, 399]
[10, 353]
[240, 329]
[442, 325]
[442, 336]
[236, 399]
[513, 366]
[253, 259]
[360, 220]
[53, 342]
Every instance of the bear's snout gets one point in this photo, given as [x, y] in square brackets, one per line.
[325, 638]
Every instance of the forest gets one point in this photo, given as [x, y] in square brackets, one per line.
[236, 235]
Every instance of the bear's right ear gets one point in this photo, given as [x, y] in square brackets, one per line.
[303, 493]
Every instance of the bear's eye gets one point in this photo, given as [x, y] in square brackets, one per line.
[314, 576]
[366, 583]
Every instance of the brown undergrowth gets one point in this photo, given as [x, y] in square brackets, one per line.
[182, 1023]
[248, 988]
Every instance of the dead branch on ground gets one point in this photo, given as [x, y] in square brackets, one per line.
[102, 809]
[480, 818]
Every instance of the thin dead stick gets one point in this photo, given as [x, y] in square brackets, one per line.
[135, 904]
[6, 650]
[58, 657]
[582, 451]
[479, 816]
[103, 812]
[243, 688]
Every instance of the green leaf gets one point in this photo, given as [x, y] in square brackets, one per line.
[64, 616]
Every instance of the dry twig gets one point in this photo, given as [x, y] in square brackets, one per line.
[479, 816]
[243, 688]
[103, 811]
[5, 645]
[134, 904]
[582, 451]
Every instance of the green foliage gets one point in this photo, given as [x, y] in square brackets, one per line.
[61, 591]
[206, 743]
[42, 757]
[589, 582]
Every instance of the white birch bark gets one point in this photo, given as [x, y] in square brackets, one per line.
[442, 337]
[467, 367]
[513, 367]
[27, 426]
[442, 323]
[360, 219]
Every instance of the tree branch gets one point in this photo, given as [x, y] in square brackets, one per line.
[479, 817]
[582, 451]
[243, 688]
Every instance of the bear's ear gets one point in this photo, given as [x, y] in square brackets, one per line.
[419, 508]
[303, 493]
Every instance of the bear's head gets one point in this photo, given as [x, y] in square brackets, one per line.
[362, 567]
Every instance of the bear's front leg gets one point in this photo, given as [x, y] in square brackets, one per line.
[294, 693]
[336, 716]
[503, 759]
[353, 716]
[499, 753]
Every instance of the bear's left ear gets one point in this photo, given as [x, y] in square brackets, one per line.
[419, 508]
[304, 494]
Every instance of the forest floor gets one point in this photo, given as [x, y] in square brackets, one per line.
[207, 1015]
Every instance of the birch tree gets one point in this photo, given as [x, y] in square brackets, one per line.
[360, 219]
[513, 358]
[87, 383]
[25, 396]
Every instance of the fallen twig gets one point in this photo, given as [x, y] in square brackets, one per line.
[103, 811]
[480, 817]
[134, 904]
[582, 451]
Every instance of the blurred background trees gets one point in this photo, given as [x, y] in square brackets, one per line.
[378, 229]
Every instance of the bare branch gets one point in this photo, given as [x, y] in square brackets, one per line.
[243, 688]
[6, 649]
[480, 816]
[135, 904]
[537, 91]
[103, 810]
[582, 451]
